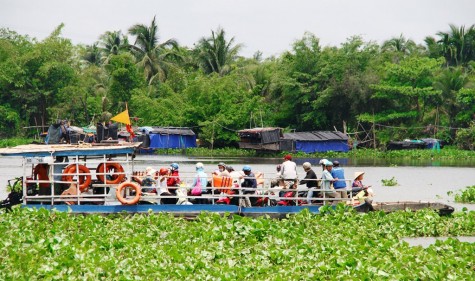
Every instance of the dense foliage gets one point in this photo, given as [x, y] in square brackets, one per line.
[390, 91]
[39, 245]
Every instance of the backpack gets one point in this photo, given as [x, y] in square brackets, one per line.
[196, 191]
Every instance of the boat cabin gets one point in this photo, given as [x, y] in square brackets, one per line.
[260, 138]
[73, 174]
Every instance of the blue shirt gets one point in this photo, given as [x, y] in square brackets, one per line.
[339, 173]
[202, 177]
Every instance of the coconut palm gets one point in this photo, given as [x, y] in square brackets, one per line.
[92, 54]
[113, 43]
[153, 57]
[450, 81]
[215, 54]
[458, 45]
[399, 44]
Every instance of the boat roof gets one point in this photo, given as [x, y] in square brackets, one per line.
[316, 136]
[41, 150]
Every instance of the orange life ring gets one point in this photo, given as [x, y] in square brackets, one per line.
[121, 198]
[222, 182]
[116, 169]
[41, 173]
[84, 176]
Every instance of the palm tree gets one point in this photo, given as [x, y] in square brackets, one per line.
[458, 45]
[113, 43]
[92, 54]
[155, 58]
[215, 54]
[400, 46]
[449, 83]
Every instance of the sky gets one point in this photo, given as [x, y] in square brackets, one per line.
[269, 26]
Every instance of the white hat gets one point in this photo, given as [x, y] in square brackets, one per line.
[151, 171]
[322, 161]
[357, 174]
[306, 165]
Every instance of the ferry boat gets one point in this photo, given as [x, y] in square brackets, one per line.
[99, 178]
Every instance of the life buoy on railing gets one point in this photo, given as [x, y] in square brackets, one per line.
[84, 176]
[41, 173]
[115, 169]
[121, 198]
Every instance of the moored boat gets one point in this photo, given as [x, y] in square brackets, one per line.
[442, 209]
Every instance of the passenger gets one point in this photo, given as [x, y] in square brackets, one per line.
[221, 171]
[200, 180]
[322, 163]
[173, 179]
[340, 183]
[235, 175]
[248, 185]
[288, 172]
[163, 189]
[149, 182]
[327, 180]
[277, 180]
[227, 197]
[310, 180]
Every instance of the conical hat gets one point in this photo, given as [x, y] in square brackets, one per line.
[357, 174]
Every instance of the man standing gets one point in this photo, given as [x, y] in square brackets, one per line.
[288, 172]
[338, 175]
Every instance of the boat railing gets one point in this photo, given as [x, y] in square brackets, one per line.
[104, 192]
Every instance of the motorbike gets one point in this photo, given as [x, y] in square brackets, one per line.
[15, 196]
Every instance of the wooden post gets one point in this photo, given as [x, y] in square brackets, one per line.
[374, 133]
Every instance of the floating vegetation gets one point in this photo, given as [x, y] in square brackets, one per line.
[464, 196]
[337, 245]
[389, 182]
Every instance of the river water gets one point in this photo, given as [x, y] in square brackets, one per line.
[417, 181]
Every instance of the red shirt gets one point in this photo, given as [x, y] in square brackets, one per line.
[173, 179]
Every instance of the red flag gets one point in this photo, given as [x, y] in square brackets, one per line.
[128, 127]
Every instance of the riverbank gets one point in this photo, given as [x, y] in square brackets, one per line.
[447, 153]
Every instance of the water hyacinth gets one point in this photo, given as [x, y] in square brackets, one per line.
[338, 244]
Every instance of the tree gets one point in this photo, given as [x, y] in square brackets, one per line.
[154, 58]
[124, 79]
[400, 47]
[457, 45]
[92, 54]
[113, 43]
[404, 91]
[215, 54]
[450, 82]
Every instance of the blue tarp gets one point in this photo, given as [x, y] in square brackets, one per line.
[321, 146]
[171, 141]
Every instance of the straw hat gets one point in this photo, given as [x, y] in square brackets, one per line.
[357, 174]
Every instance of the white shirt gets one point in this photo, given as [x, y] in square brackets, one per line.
[288, 170]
